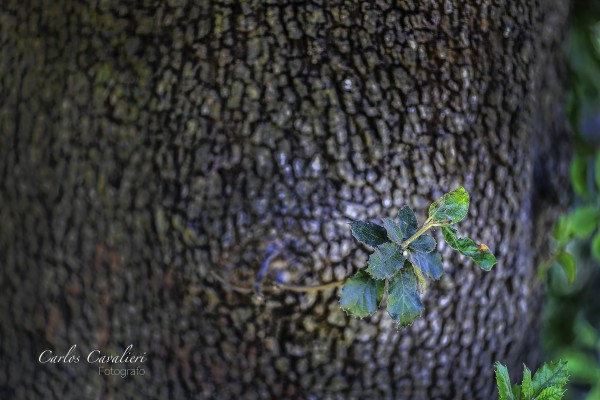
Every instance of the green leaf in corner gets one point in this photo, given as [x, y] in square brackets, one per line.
[404, 301]
[428, 263]
[479, 253]
[567, 262]
[369, 233]
[452, 206]
[361, 295]
[423, 244]
[596, 247]
[385, 261]
[551, 374]
[503, 382]
[526, 385]
[407, 221]
[393, 230]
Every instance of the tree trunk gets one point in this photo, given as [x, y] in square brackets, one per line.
[162, 166]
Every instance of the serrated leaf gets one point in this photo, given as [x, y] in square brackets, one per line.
[452, 206]
[551, 374]
[428, 263]
[526, 385]
[503, 382]
[578, 173]
[596, 247]
[385, 261]
[584, 221]
[479, 253]
[404, 301]
[407, 220]
[551, 393]
[423, 244]
[393, 230]
[369, 233]
[361, 295]
[567, 262]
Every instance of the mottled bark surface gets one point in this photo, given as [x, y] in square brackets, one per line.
[151, 156]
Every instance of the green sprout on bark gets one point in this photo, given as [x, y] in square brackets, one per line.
[404, 255]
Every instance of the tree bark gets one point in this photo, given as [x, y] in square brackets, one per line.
[163, 165]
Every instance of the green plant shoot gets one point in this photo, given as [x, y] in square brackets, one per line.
[404, 256]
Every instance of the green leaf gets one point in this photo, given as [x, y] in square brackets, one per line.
[393, 230]
[369, 233]
[516, 391]
[526, 386]
[551, 393]
[452, 206]
[385, 261]
[361, 295]
[503, 382]
[567, 262]
[407, 221]
[429, 263]
[563, 230]
[404, 302]
[584, 221]
[450, 235]
[423, 244]
[596, 247]
[579, 175]
[479, 253]
[551, 374]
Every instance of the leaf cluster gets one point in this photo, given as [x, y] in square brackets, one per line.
[547, 384]
[404, 256]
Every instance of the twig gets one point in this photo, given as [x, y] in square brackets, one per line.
[316, 288]
[278, 286]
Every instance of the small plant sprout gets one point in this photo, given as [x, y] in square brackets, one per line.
[404, 256]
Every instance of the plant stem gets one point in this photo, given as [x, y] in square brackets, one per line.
[278, 286]
[428, 224]
[316, 288]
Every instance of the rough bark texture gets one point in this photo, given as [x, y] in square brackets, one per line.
[151, 157]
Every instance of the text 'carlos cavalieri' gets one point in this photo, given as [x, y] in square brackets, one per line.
[96, 357]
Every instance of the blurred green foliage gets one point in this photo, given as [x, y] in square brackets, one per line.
[571, 328]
